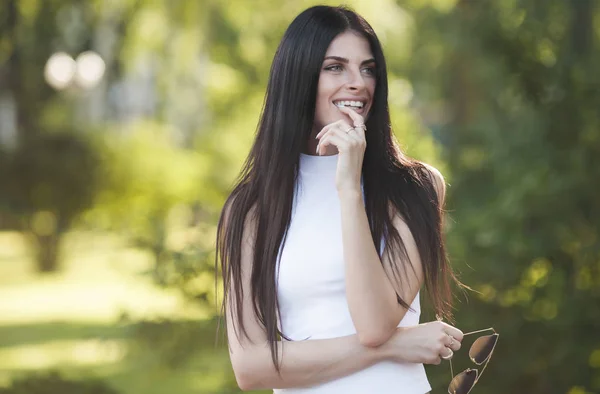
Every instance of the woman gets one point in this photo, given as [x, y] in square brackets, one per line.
[330, 232]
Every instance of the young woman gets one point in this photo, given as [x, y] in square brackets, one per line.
[331, 231]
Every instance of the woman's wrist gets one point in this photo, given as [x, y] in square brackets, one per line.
[389, 350]
[381, 353]
[369, 355]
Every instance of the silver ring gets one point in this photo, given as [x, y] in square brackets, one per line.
[448, 357]
[349, 130]
[451, 339]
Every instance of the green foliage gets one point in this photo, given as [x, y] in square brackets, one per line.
[171, 343]
[150, 196]
[520, 136]
[54, 383]
[56, 172]
[147, 176]
[48, 182]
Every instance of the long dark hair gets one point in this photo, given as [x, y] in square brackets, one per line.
[266, 185]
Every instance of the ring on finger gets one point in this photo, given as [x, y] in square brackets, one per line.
[451, 339]
[449, 356]
[361, 126]
[349, 130]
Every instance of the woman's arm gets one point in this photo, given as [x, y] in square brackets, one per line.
[370, 292]
[312, 362]
[303, 363]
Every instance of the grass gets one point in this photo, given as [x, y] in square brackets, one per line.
[84, 321]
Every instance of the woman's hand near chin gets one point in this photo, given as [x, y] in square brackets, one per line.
[351, 144]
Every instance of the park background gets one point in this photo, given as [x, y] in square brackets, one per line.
[114, 167]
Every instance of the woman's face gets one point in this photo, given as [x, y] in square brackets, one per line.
[347, 78]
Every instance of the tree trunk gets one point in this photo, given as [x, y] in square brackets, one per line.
[47, 252]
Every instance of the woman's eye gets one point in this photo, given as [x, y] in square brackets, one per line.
[337, 67]
[334, 67]
[369, 70]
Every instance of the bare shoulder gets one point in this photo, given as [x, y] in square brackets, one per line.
[438, 181]
[248, 216]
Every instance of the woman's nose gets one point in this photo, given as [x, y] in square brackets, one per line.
[355, 80]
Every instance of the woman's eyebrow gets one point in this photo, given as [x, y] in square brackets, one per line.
[344, 60]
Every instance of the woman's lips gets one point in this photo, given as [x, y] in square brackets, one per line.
[359, 111]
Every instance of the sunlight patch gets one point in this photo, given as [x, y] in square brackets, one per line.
[54, 353]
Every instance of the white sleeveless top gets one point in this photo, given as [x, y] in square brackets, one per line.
[311, 285]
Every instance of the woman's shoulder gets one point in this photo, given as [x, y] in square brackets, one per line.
[427, 175]
[234, 209]
[420, 169]
[437, 180]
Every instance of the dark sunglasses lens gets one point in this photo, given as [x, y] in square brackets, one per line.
[463, 382]
[482, 348]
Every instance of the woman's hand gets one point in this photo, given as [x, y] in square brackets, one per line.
[425, 343]
[351, 144]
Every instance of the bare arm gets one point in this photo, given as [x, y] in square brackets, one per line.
[303, 363]
[370, 292]
[313, 362]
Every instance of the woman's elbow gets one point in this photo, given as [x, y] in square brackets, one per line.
[245, 379]
[244, 383]
[376, 335]
[249, 374]
[244, 376]
[374, 338]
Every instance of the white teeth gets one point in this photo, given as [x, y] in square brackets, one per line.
[358, 104]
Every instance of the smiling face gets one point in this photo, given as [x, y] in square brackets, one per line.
[347, 78]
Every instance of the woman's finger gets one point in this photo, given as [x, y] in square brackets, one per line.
[446, 354]
[455, 332]
[452, 343]
[450, 330]
[339, 127]
[347, 130]
[333, 139]
[358, 120]
[328, 127]
[340, 136]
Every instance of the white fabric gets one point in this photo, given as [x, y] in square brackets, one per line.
[311, 285]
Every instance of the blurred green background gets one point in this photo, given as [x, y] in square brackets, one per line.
[123, 125]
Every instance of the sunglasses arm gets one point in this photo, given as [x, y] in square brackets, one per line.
[478, 331]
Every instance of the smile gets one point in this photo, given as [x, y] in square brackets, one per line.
[351, 104]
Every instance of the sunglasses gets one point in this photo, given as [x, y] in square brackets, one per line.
[480, 352]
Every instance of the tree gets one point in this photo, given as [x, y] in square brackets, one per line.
[517, 84]
[48, 181]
